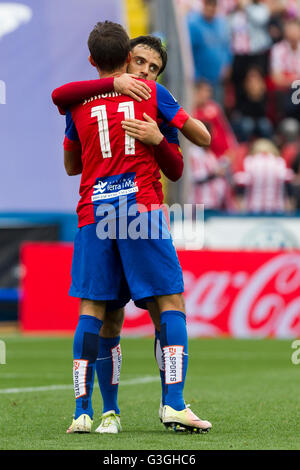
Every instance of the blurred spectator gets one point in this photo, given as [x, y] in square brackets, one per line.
[210, 41]
[265, 180]
[210, 182]
[285, 56]
[251, 40]
[223, 142]
[224, 7]
[186, 5]
[292, 8]
[249, 118]
[288, 139]
[296, 181]
[285, 69]
[277, 13]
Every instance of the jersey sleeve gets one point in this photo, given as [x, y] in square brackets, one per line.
[169, 109]
[169, 132]
[74, 92]
[71, 141]
[169, 159]
[168, 153]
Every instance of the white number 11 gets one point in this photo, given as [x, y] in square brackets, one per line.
[100, 113]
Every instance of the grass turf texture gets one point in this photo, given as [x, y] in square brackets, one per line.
[248, 389]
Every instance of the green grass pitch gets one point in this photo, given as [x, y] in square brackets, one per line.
[248, 389]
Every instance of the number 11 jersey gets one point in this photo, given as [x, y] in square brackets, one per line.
[115, 166]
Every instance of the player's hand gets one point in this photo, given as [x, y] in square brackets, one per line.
[146, 131]
[127, 84]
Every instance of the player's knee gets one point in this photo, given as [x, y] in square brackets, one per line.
[112, 324]
[182, 302]
[110, 331]
[154, 314]
[93, 308]
[171, 302]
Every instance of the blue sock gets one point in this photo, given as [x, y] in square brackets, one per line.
[159, 359]
[174, 344]
[85, 350]
[108, 367]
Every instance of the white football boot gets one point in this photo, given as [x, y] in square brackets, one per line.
[110, 423]
[184, 420]
[82, 424]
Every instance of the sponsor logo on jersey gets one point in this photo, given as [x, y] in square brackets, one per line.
[173, 356]
[79, 377]
[114, 187]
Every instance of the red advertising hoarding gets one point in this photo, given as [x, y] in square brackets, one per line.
[235, 293]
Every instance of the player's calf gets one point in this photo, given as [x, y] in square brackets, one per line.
[174, 344]
[85, 350]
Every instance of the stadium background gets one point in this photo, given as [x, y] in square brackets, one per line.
[250, 260]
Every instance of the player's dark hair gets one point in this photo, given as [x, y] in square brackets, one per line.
[109, 45]
[154, 43]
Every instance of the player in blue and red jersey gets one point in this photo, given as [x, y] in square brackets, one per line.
[132, 174]
[148, 61]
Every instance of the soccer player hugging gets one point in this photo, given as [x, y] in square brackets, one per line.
[120, 132]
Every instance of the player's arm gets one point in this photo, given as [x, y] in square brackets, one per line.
[196, 132]
[75, 92]
[72, 161]
[167, 152]
[176, 116]
[72, 148]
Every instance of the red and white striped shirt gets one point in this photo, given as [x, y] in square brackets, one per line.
[240, 40]
[285, 60]
[214, 193]
[264, 176]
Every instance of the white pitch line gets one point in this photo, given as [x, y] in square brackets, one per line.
[47, 388]
[50, 388]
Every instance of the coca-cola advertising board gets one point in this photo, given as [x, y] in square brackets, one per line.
[242, 294]
[248, 294]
